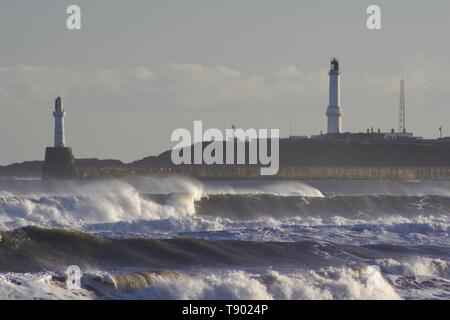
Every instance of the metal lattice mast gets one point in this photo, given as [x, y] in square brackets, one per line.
[402, 114]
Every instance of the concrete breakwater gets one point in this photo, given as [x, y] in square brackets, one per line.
[285, 173]
[98, 169]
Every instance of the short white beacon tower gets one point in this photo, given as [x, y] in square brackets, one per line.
[59, 114]
[59, 161]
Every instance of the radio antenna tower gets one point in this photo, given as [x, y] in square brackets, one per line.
[402, 114]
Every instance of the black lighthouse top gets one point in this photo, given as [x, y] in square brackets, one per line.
[334, 66]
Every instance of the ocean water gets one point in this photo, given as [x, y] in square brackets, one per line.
[178, 238]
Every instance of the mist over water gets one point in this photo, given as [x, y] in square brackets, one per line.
[177, 238]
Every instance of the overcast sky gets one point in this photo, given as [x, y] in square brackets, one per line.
[140, 69]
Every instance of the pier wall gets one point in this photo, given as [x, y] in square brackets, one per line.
[285, 173]
[59, 163]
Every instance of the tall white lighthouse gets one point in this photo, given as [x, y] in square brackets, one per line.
[59, 123]
[334, 110]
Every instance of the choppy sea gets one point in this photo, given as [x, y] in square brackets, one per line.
[178, 238]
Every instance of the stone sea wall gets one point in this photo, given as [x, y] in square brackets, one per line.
[288, 173]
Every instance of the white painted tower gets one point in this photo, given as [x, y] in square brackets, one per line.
[59, 123]
[334, 110]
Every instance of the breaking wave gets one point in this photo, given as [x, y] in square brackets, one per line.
[329, 283]
[179, 203]
[75, 204]
[417, 279]
[273, 211]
